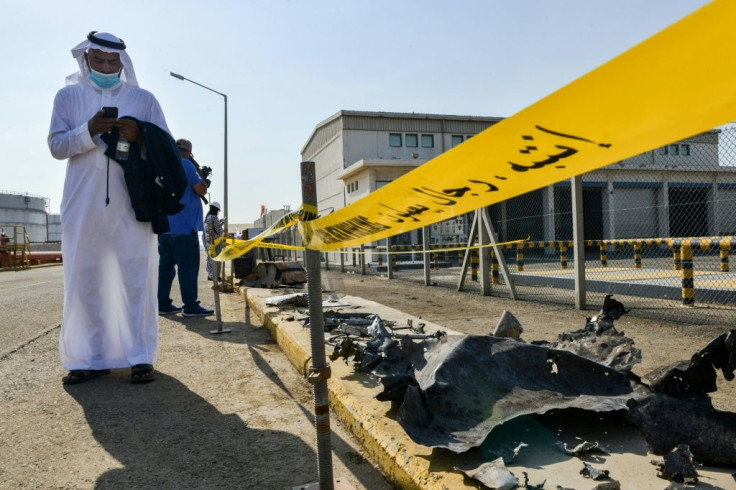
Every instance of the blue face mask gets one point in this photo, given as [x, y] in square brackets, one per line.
[104, 80]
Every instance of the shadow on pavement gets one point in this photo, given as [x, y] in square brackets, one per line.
[166, 436]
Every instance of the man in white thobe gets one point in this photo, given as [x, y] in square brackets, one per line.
[110, 259]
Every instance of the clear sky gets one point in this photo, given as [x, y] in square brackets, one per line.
[287, 65]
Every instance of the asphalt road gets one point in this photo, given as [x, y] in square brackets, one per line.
[31, 301]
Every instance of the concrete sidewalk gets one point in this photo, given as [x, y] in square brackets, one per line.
[409, 465]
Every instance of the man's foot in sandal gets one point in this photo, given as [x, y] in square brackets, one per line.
[77, 376]
[142, 373]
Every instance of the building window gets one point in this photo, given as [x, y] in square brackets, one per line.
[674, 149]
[685, 150]
[663, 150]
[456, 140]
[394, 139]
[412, 140]
[355, 185]
[427, 141]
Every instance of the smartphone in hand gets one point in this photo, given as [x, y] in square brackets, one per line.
[110, 112]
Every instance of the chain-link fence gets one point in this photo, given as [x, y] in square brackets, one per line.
[659, 230]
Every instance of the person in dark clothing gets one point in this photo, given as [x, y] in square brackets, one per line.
[179, 247]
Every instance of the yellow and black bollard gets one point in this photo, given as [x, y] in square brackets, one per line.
[520, 257]
[637, 255]
[725, 246]
[688, 284]
[604, 257]
[563, 255]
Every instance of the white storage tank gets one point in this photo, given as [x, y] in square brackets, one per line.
[54, 227]
[26, 210]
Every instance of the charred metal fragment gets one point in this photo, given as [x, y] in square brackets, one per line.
[492, 474]
[385, 354]
[474, 383]
[678, 466]
[698, 375]
[528, 486]
[582, 448]
[665, 422]
[589, 471]
[600, 341]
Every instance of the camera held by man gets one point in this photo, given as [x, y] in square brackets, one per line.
[203, 170]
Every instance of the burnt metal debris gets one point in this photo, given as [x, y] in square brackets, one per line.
[698, 375]
[388, 354]
[452, 390]
[582, 448]
[600, 341]
[594, 473]
[475, 383]
[492, 474]
[679, 410]
[678, 466]
[666, 421]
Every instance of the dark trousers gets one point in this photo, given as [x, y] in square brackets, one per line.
[182, 252]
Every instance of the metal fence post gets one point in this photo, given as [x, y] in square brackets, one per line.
[362, 260]
[425, 256]
[320, 371]
[578, 243]
[391, 262]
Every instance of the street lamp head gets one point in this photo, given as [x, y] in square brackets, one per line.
[176, 75]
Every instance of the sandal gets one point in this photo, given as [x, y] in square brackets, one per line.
[142, 373]
[77, 376]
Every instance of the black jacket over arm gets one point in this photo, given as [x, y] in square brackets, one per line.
[157, 183]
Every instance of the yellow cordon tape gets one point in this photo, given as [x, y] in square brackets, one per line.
[235, 248]
[627, 106]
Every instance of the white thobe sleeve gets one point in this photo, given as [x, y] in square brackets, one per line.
[64, 139]
[156, 115]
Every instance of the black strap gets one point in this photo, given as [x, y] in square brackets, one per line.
[107, 190]
[104, 42]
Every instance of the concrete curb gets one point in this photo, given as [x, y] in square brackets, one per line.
[352, 397]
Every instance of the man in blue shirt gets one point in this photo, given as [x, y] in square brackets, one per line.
[180, 245]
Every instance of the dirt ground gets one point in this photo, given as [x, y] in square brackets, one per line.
[228, 411]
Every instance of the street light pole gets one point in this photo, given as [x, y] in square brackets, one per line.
[180, 77]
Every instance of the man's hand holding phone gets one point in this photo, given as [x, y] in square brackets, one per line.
[103, 121]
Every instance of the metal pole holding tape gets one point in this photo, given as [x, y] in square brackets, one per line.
[216, 287]
[319, 373]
